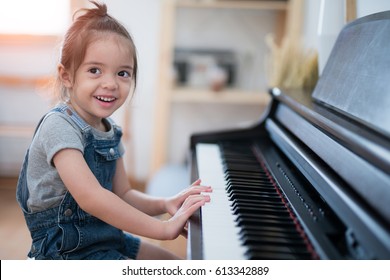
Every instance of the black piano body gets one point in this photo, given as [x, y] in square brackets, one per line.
[326, 156]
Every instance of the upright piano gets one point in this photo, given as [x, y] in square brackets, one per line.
[311, 179]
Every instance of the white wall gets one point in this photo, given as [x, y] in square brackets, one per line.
[367, 7]
[312, 16]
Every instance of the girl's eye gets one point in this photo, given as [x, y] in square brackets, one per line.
[94, 71]
[124, 74]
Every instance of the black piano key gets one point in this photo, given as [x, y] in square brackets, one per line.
[253, 185]
[250, 188]
[244, 167]
[269, 228]
[250, 195]
[249, 180]
[264, 216]
[260, 210]
[245, 221]
[280, 249]
[237, 180]
[270, 232]
[230, 193]
[234, 181]
[261, 255]
[250, 240]
[260, 184]
[258, 202]
[245, 174]
[256, 197]
[259, 205]
[239, 161]
[230, 169]
[262, 203]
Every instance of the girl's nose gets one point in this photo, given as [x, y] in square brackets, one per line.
[110, 83]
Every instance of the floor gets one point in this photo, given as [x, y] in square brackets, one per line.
[15, 238]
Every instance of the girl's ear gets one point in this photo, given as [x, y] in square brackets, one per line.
[65, 76]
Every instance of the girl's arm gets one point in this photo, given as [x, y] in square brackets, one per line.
[107, 206]
[151, 205]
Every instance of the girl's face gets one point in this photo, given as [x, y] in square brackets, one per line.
[104, 79]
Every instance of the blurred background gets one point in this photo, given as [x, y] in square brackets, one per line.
[204, 65]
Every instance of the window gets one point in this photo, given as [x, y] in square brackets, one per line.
[38, 17]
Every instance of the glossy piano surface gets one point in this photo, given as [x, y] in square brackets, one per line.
[309, 181]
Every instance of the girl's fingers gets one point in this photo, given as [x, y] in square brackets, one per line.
[195, 199]
[184, 232]
[190, 205]
[197, 182]
[199, 189]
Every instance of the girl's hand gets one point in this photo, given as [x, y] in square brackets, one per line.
[177, 224]
[172, 204]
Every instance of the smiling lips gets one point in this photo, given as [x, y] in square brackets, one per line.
[105, 98]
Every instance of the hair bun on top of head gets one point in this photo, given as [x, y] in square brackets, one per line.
[100, 10]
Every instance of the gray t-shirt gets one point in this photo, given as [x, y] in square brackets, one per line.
[56, 132]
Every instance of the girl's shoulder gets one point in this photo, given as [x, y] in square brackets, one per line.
[56, 125]
[55, 132]
[58, 120]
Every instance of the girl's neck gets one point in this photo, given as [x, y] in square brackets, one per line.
[98, 124]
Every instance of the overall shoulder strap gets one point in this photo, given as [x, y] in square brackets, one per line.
[69, 112]
[56, 109]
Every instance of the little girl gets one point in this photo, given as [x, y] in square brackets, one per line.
[72, 188]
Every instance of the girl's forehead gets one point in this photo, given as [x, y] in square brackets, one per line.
[105, 38]
[109, 46]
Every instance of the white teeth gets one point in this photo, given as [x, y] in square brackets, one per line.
[105, 99]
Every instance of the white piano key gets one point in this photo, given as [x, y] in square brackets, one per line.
[219, 230]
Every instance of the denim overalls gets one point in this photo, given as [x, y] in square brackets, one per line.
[66, 231]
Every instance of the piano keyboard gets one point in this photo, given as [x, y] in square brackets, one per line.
[247, 217]
[219, 230]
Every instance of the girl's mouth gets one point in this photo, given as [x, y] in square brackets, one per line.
[105, 99]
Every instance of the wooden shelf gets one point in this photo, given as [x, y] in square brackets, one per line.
[228, 96]
[229, 4]
[19, 81]
[28, 39]
[287, 23]
[16, 131]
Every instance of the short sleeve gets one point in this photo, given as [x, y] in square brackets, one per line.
[57, 133]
